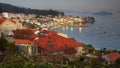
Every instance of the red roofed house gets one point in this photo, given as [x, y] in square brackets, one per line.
[110, 58]
[6, 25]
[54, 43]
[26, 47]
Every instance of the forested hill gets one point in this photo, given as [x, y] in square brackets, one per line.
[16, 9]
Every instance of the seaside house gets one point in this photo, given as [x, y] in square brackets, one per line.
[56, 44]
[110, 58]
[7, 25]
[26, 47]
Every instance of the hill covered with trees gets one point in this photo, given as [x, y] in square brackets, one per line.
[16, 9]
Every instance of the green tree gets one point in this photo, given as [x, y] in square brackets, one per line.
[90, 48]
[15, 60]
[3, 43]
[117, 63]
[42, 65]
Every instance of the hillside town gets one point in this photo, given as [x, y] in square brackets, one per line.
[32, 38]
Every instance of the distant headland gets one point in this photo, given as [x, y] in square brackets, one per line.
[103, 13]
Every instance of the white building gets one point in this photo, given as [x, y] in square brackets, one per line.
[26, 47]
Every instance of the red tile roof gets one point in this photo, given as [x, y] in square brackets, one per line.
[3, 19]
[113, 56]
[12, 21]
[51, 32]
[57, 43]
[26, 34]
[1, 14]
[21, 41]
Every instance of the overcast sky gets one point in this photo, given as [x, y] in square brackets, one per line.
[77, 5]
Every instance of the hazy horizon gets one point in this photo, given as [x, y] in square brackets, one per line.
[76, 5]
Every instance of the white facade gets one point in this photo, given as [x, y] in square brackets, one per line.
[7, 26]
[79, 50]
[5, 14]
[27, 49]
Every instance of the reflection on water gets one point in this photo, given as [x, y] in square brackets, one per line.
[80, 26]
[104, 33]
[66, 27]
[80, 29]
[71, 28]
[63, 28]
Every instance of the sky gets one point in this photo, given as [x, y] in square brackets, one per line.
[76, 5]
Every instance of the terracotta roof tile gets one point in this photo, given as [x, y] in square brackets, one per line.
[57, 43]
[2, 20]
[21, 41]
[113, 56]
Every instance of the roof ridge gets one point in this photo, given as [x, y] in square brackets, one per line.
[4, 19]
